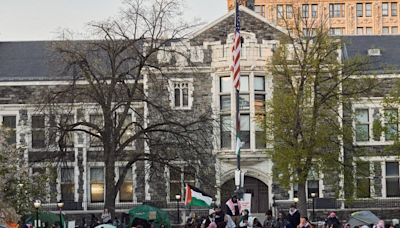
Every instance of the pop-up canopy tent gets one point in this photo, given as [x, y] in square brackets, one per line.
[45, 217]
[360, 218]
[148, 214]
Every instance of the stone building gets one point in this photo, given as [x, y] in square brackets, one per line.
[25, 71]
[343, 17]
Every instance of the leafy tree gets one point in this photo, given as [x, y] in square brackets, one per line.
[304, 118]
[120, 75]
[18, 189]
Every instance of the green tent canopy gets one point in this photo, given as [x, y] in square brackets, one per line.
[149, 214]
[45, 217]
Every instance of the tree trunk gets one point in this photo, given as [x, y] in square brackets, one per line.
[110, 194]
[302, 204]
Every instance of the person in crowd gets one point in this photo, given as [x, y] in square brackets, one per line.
[332, 221]
[106, 216]
[191, 221]
[210, 219]
[244, 219]
[220, 218]
[293, 216]
[233, 208]
[256, 223]
[304, 223]
[281, 222]
[381, 224]
[229, 222]
[94, 221]
[269, 221]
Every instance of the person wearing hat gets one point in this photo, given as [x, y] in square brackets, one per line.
[210, 219]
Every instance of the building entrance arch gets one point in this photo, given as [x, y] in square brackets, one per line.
[257, 189]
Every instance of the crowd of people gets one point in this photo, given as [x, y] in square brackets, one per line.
[234, 217]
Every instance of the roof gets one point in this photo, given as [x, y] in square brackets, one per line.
[388, 45]
[28, 61]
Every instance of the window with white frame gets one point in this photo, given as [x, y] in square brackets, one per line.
[127, 128]
[259, 9]
[178, 177]
[359, 9]
[38, 132]
[96, 184]
[368, 9]
[391, 124]
[289, 11]
[393, 6]
[252, 96]
[279, 11]
[9, 122]
[67, 184]
[66, 136]
[362, 125]
[126, 190]
[96, 119]
[181, 91]
[392, 179]
[385, 9]
[48, 178]
[314, 10]
[363, 181]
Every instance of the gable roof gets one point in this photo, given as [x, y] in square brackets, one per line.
[251, 21]
[389, 46]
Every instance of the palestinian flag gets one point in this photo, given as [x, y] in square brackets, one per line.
[196, 197]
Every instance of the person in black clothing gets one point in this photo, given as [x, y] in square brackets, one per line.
[332, 221]
[293, 217]
[233, 209]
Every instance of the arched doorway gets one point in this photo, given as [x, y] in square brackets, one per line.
[258, 190]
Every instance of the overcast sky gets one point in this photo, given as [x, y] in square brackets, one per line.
[44, 19]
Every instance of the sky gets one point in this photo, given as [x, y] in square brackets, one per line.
[22, 20]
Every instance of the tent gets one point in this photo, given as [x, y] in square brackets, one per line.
[360, 218]
[45, 217]
[148, 214]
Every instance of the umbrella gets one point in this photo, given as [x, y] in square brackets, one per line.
[45, 217]
[149, 214]
[360, 218]
[105, 226]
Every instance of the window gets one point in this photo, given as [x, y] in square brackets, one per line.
[181, 95]
[126, 191]
[359, 9]
[66, 137]
[96, 185]
[289, 11]
[245, 131]
[313, 187]
[368, 9]
[362, 180]
[225, 85]
[392, 179]
[304, 10]
[393, 7]
[127, 128]
[395, 30]
[10, 124]
[360, 30]
[67, 184]
[259, 9]
[368, 30]
[336, 10]
[225, 130]
[96, 119]
[385, 9]
[336, 31]
[38, 132]
[391, 124]
[260, 133]
[178, 177]
[385, 30]
[279, 11]
[362, 125]
[314, 10]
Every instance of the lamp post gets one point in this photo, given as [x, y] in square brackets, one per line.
[178, 198]
[295, 200]
[37, 205]
[313, 194]
[60, 205]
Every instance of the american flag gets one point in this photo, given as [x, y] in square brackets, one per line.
[236, 50]
[236, 73]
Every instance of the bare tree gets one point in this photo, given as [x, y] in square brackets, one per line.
[120, 79]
